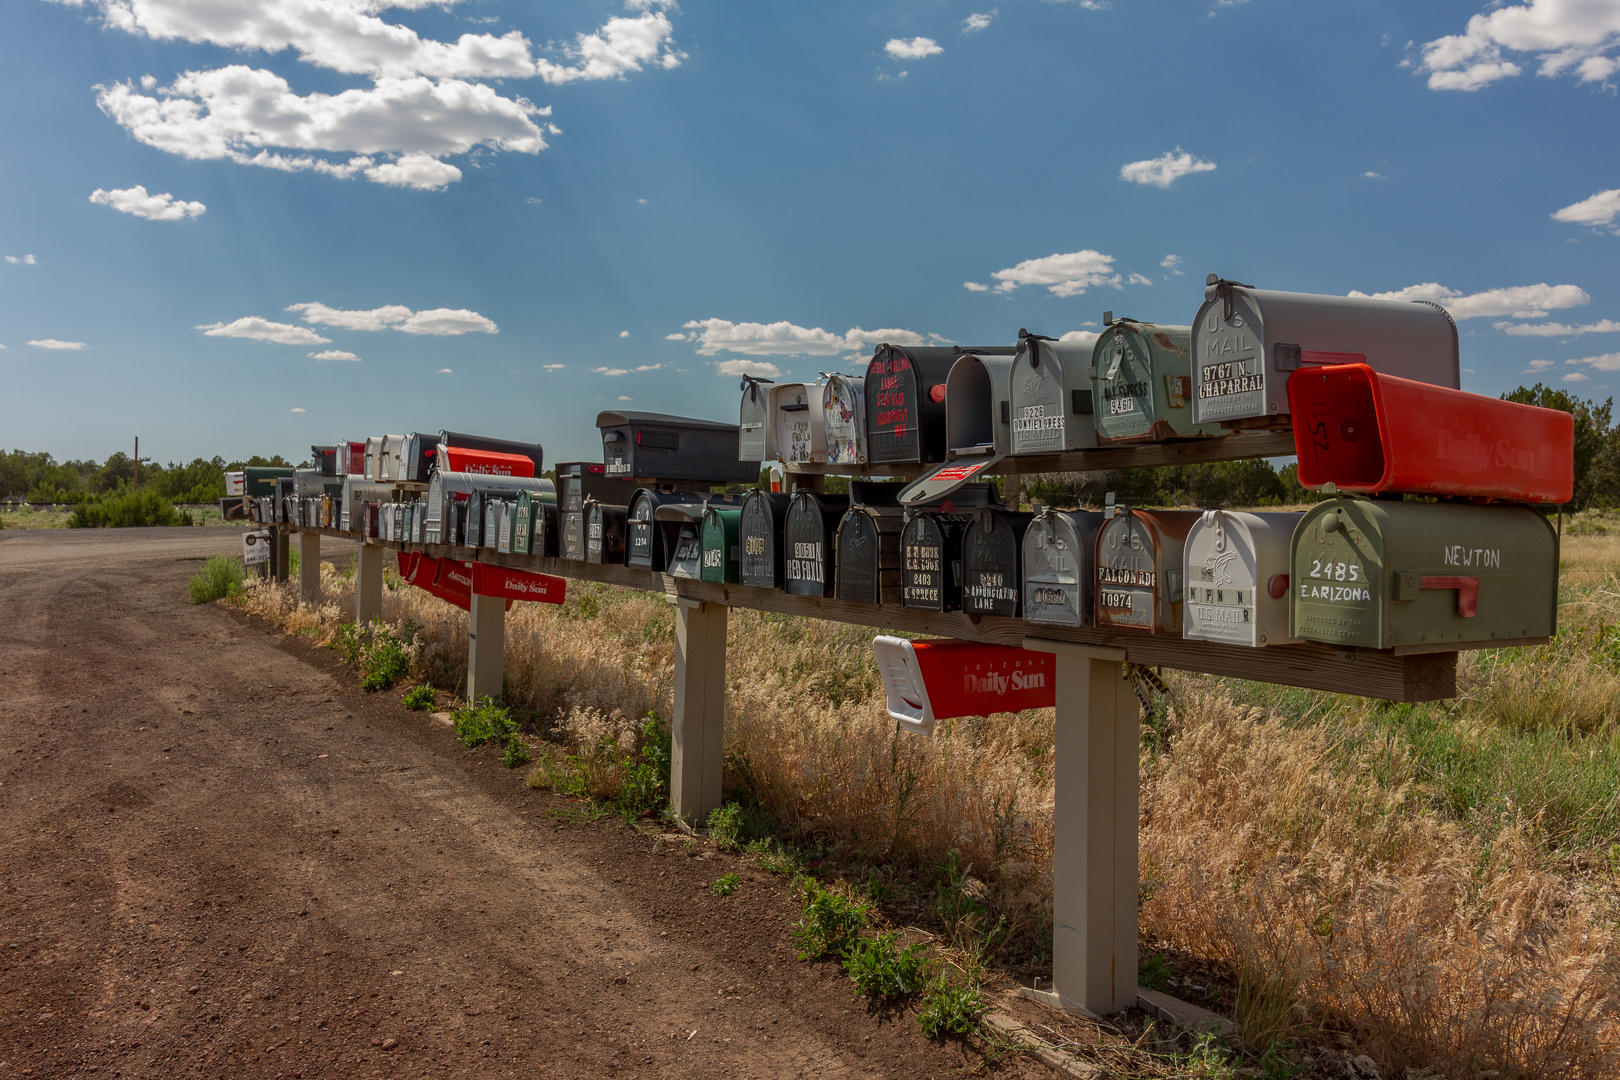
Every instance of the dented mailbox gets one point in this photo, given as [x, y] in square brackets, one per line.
[1237, 578]
[843, 413]
[764, 514]
[992, 549]
[1139, 569]
[1049, 389]
[1382, 574]
[1143, 383]
[1246, 342]
[653, 446]
[810, 543]
[722, 545]
[905, 401]
[1059, 578]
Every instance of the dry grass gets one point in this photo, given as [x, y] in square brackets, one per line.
[1436, 883]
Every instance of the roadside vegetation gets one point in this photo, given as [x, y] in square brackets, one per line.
[1431, 886]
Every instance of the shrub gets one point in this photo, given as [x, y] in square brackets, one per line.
[385, 662]
[829, 922]
[882, 969]
[419, 698]
[136, 508]
[726, 827]
[725, 884]
[950, 1007]
[516, 752]
[483, 722]
[219, 578]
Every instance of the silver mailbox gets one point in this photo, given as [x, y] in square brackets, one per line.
[447, 489]
[1059, 580]
[1246, 342]
[753, 421]
[374, 450]
[1050, 394]
[1237, 578]
[357, 490]
[843, 412]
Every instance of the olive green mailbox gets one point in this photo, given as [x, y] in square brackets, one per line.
[1142, 388]
[722, 558]
[1383, 574]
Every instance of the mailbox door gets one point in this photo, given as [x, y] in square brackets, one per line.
[859, 558]
[753, 431]
[931, 553]
[761, 538]
[1237, 573]
[1050, 398]
[1059, 583]
[522, 523]
[473, 532]
[1126, 402]
[572, 543]
[905, 401]
[843, 411]
[686, 552]
[808, 547]
[492, 523]
[992, 548]
[642, 541]
[604, 533]
[722, 552]
[503, 542]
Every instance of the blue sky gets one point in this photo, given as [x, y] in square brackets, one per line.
[512, 216]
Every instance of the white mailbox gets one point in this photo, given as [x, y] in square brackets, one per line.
[843, 411]
[1237, 578]
[798, 433]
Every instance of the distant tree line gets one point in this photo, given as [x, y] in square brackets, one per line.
[40, 478]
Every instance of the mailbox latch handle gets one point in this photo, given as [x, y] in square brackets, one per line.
[1467, 591]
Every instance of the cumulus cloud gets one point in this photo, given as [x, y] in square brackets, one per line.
[1539, 365]
[626, 397]
[912, 48]
[1552, 329]
[621, 46]
[624, 333]
[375, 319]
[1370, 175]
[761, 368]
[1172, 263]
[448, 322]
[446, 371]
[136, 201]
[1165, 169]
[21, 260]
[1605, 362]
[974, 286]
[442, 322]
[553, 367]
[52, 343]
[1576, 376]
[674, 337]
[977, 21]
[1599, 210]
[1520, 302]
[1083, 338]
[650, 367]
[295, 410]
[1063, 275]
[1138, 279]
[610, 371]
[1565, 37]
[255, 328]
[786, 339]
[333, 354]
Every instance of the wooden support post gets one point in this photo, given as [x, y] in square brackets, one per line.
[368, 583]
[281, 548]
[1094, 853]
[309, 566]
[1012, 485]
[486, 648]
[698, 732]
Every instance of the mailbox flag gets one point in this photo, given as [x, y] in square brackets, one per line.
[936, 680]
[499, 581]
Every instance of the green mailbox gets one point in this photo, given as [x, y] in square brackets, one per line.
[1383, 574]
[1142, 383]
[722, 558]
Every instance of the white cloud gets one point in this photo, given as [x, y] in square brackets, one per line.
[621, 46]
[977, 21]
[1138, 279]
[255, 328]
[375, 319]
[1520, 302]
[763, 339]
[446, 371]
[1172, 263]
[424, 172]
[1576, 376]
[610, 371]
[333, 354]
[1566, 37]
[439, 322]
[1539, 365]
[624, 333]
[553, 367]
[974, 286]
[1605, 362]
[674, 337]
[747, 367]
[52, 343]
[1370, 175]
[624, 397]
[1165, 169]
[448, 322]
[295, 410]
[1063, 275]
[1600, 209]
[136, 201]
[912, 48]
[1083, 338]
[21, 260]
[650, 367]
[1602, 326]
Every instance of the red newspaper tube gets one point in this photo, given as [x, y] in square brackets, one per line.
[936, 680]
[1367, 432]
[499, 581]
[486, 462]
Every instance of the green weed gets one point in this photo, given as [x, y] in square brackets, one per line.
[419, 698]
[725, 884]
[829, 922]
[219, 578]
[726, 827]
[385, 662]
[950, 1006]
[881, 968]
[516, 753]
[1153, 972]
[348, 643]
[483, 722]
[776, 857]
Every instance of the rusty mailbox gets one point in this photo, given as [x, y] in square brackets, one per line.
[905, 401]
[1247, 341]
[645, 538]
[764, 514]
[604, 533]
[810, 543]
[722, 545]
[1382, 574]
[1060, 547]
[1049, 391]
[1139, 569]
[677, 449]
[843, 412]
[992, 562]
[754, 441]
[1142, 389]
[1237, 578]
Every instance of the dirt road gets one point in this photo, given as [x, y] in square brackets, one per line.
[219, 857]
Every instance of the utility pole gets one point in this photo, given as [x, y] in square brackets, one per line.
[137, 463]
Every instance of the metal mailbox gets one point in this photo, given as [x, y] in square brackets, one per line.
[764, 514]
[1139, 568]
[978, 421]
[449, 489]
[869, 568]
[1049, 391]
[809, 544]
[1143, 383]
[992, 562]
[503, 535]
[1060, 549]
[1366, 432]
[534, 525]
[260, 480]
[1236, 577]
[798, 430]
[931, 553]
[374, 449]
[843, 415]
[460, 440]
[652, 446]
[324, 459]
[421, 458]
[722, 545]
[571, 538]
[753, 421]
[490, 537]
[645, 540]
[1247, 341]
[389, 457]
[578, 481]
[604, 533]
[1382, 574]
[682, 526]
[357, 490]
[472, 533]
[905, 401]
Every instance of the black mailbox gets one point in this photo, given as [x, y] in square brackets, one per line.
[421, 458]
[681, 524]
[325, 459]
[931, 549]
[571, 535]
[604, 533]
[905, 401]
[652, 446]
[644, 535]
[578, 481]
[809, 543]
[763, 515]
[992, 562]
[869, 544]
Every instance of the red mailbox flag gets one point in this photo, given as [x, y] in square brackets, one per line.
[936, 680]
[1364, 431]
[500, 581]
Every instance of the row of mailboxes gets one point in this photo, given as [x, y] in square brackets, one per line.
[412, 459]
[451, 497]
